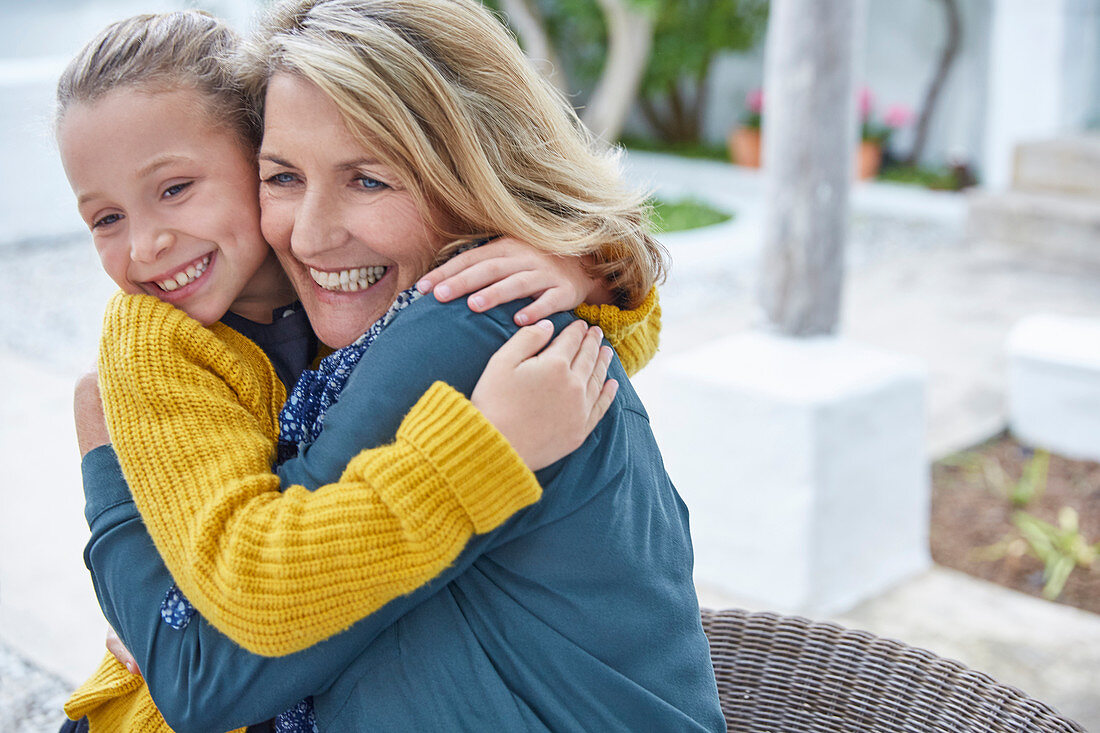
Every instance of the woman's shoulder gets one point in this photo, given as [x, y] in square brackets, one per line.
[427, 312]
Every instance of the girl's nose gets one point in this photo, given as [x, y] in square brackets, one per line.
[147, 246]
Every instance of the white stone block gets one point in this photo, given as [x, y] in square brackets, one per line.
[1054, 384]
[802, 463]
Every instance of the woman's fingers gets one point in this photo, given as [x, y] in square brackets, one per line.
[122, 654]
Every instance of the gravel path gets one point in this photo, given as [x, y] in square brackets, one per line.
[32, 699]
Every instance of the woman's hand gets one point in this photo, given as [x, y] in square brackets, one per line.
[546, 401]
[122, 654]
[506, 269]
[91, 426]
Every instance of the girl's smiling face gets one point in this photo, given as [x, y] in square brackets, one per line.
[347, 232]
[171, 201]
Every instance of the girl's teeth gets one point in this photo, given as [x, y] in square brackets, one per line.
[185, 277]
[349, 281]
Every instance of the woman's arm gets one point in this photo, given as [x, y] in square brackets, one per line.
[200, 680]
[204, 698]
[259, 563]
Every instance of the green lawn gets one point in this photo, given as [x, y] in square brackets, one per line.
[683, 214]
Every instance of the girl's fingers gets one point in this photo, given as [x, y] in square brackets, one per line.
[603, 403]
[507, 255]
[567, 343]
[553, 300]
[588, 353]
[528, 283]
[599, 371]
[453, 266]
[476, 275]
[524, 344]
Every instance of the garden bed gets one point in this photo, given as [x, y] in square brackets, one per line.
[972, 526]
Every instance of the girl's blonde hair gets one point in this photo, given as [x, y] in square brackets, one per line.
[159, 52]
[441, 92]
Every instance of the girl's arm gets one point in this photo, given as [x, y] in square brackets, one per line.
[507, 269]
[257, 562]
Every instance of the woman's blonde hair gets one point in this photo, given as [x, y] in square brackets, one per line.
[162, 51]
[441, 92]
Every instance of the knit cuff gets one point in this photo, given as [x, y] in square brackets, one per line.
[486, 475]
[111, 680]
[104, 484]
[614, 318]
[633, 333]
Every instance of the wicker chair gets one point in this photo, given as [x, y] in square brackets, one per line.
[786, 674]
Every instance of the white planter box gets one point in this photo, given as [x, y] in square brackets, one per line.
[802, 462]
[1054, 384]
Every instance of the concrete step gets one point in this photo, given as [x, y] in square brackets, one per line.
[1053, 226]
[1066, 165]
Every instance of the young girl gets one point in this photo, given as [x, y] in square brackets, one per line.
[160, 151]
[415, 122]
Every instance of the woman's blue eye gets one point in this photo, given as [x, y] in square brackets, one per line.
[369, 183]
[105, 221]
[281, 179]
[175, 190]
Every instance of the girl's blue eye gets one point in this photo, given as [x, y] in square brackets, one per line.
[175, 190]
[106, 221]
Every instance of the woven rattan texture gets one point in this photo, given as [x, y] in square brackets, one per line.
[784, 674]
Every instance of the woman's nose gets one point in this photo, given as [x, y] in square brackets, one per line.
[147, 245]
[317, 227]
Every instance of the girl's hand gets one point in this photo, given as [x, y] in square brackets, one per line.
[547, 401]
[91, 426]
[506, 269]
[122, 654]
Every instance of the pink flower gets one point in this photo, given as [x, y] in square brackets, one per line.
[897, 116]
[866, 102]
[754, 100]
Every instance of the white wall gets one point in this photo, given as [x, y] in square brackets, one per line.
[1025, 69]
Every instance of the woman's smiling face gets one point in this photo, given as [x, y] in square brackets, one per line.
[345, 229]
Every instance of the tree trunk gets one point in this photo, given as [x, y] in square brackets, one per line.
[947, 58]
[629, 39]
[809, 132]
[526, 20]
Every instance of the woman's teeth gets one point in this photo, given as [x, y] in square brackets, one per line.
[185, 277]
[348, 281]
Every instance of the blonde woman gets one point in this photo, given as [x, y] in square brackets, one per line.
[394, 131]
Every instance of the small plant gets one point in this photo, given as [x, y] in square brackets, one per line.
[1033, 480]
[1060, 548]
[754, 105]
[893, 119]
[1029, 487]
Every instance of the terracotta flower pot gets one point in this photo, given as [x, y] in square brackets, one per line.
[744, 144]
[868, 159]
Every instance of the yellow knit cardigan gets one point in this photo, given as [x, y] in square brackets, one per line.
[235, 544]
